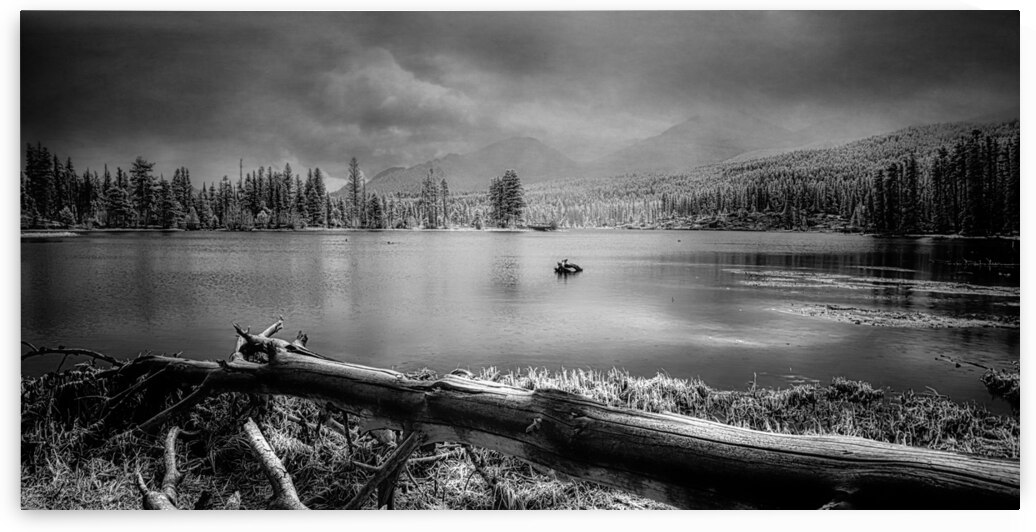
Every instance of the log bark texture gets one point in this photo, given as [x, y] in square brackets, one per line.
[683, 461]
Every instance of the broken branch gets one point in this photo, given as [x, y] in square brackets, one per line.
[166, 498]
[284, 495]
[389, 469]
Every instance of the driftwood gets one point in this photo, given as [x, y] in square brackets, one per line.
[166, 497]
[284, 495]
[683, 461]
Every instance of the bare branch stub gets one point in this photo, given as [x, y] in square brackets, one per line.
[273, 328]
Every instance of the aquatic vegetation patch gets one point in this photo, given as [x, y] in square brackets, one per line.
[901, 319]
[885, 269]
[811, 279]
[48, 234]
[1004, 384]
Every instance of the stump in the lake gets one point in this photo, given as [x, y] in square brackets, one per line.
[680, 460]
[564, 267]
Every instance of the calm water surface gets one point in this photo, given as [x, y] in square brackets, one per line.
[648, 301]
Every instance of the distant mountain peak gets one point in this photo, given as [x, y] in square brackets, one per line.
[705, 137]
[532, 159]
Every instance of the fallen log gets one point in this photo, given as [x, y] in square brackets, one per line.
[679, 460]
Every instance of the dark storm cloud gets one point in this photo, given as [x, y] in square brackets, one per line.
[313, 89]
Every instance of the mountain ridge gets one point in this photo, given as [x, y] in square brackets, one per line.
[702, 139]
[533, 160]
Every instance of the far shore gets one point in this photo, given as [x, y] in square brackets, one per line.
[75, 231]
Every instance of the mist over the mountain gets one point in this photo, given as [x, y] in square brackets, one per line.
[706, 138]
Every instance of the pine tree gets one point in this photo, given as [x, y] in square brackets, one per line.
[1012, 194]
[512, 197]
[206, 215]
[991, 212]
[355, 178]
[117, 204]
[910, 206]
[72, 186]
[496, 201]
[86, 196]
[39, 183]
[301, 213]
[171, 212]
[880, 219]
[25, 201]
[186, 189]
[143, 194]
[429, 200]
[972, 222]
[444, 193]
[313, 202]
[321, 196]
[57, 176]
[376, 217]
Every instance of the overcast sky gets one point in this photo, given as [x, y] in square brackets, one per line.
[314, 89]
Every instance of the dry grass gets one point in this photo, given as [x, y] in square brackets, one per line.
[62, 466]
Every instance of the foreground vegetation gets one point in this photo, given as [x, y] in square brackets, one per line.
[65, 465]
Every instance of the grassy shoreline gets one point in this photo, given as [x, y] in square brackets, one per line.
[62, 466]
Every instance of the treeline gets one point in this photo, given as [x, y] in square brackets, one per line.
[53, 194]
[948, 178]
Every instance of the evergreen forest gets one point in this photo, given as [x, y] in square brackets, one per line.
[959, 178]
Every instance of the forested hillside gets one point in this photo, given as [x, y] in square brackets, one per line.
[945, 178]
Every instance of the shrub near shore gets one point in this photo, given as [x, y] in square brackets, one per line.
[65, 466]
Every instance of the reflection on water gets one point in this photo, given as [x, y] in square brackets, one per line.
[647, 301]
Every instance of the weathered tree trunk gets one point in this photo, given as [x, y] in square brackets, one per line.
[683, 461]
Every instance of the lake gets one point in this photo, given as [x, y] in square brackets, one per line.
[723, 306]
